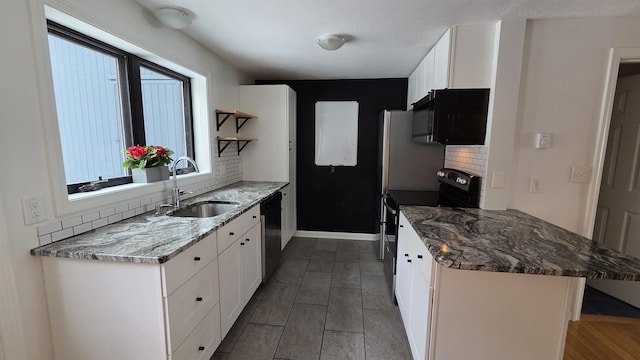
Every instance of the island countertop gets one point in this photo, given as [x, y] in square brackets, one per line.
[516, 242]
[154, 239]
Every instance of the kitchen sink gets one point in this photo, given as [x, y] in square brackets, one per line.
[205, 209]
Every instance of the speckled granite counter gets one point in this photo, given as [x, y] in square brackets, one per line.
[154, 239]
[512, 241]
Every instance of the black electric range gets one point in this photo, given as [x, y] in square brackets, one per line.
[457, 189]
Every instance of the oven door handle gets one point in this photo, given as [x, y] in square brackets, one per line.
[392, 210]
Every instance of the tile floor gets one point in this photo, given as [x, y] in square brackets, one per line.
[327, 300]
[598, 303]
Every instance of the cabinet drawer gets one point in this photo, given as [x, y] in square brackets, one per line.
[229, 233]
[188, 305]
[179, 269]
[203, 340]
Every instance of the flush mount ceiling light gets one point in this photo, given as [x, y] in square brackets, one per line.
[331, 42]
[173, 18]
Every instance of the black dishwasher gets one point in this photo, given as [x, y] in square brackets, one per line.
[270, 215]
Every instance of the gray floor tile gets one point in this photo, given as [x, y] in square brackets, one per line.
[218, 355]
[345, 310]
[314, 289]
[373, 281]
[375, 267]
[347, 251]
[236, 330]
[290, 271]
[369, 250]
[258, 342]
[385, 338]
[302, 337]
[326, 245]
[274, 308]
[346, 275]
[299, 248]
[322, 261]
[377, 298]
[338, 345]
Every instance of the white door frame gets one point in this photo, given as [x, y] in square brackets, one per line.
[616, 56]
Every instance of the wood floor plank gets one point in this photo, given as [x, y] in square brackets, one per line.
[603, 337]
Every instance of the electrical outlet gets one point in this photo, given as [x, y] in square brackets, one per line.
[580, 174]
[535, 185]
[33, 210]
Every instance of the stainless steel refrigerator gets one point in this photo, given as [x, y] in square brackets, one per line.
[403, 164]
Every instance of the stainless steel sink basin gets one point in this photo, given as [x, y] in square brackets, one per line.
[204, 209]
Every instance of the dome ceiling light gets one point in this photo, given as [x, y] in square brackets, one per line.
[331, 42]
[173, 18]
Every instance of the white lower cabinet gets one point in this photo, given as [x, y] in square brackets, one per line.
[481, 315]
[288, 227]
[413, 288]
[240, 268]
[124, 310]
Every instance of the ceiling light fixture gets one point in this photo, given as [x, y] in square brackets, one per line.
[331, 42]
[173, 18]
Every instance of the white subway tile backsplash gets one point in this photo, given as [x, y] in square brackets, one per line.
[62, 234]
[49, 227]
[129, 213]
[145, 201]
[107, 212]
[472, 159]
[122, 208]
[71, 222]
[115, 218]
[89, 217]
[83, 228]
[44, 239]
[99, 223]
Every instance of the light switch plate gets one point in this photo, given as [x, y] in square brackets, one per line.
[535, 185]
[543, 140]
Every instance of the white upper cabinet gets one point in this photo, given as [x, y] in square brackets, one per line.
[275, 107]
[462, 58]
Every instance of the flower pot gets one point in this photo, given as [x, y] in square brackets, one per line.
[149, 175]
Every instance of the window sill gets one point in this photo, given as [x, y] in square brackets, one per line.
[80, 202]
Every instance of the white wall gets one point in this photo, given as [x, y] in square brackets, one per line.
[563, 77]
[25, 99]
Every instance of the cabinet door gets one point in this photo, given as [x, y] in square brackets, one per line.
[429, 63]
[252, 261]
[411, 90]
[420, 314]
[285, 218]
[292, 115]
[441, 61]
[403, 275]
[292, 223]
[230, 270]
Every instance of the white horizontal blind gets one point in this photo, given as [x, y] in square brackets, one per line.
[336, 133]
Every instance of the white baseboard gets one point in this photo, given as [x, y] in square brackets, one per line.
[336, 235]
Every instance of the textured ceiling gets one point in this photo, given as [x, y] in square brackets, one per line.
[276, 39]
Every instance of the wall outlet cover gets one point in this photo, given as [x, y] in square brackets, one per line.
[34, 209]
[535, 185]
[581, 174]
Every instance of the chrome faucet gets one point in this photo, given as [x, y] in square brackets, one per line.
[175, 194]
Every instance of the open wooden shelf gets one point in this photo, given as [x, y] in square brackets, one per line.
[241, 118]
[242, 142]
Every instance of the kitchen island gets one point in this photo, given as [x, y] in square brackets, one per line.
[480, 284]
[149, 287]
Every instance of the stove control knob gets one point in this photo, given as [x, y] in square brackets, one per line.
[461, 181]
[440, 173]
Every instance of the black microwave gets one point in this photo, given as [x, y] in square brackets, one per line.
[451, 117]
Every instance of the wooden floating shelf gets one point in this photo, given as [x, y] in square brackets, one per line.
[229, 140]
[241, 118]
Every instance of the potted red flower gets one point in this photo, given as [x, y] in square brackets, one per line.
[148, 163]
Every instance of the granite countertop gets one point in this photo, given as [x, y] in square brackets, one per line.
[512, 241]
[154, 239]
